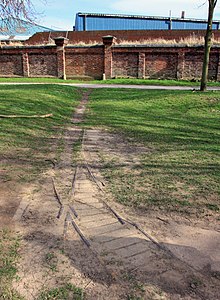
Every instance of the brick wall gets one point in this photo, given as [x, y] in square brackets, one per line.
[193, 66]
[125, 65]
[161, 65]
[42, 65]
[84, 62]
[136, 61]
[163, 62]
[11, 65]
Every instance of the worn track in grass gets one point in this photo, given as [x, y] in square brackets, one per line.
[103, 250]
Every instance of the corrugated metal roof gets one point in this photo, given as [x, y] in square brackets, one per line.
[141, 17]
[96, 21]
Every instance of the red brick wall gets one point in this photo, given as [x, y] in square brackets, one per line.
[125, 65]
[11, 65]
[161, 65]
[84, 62]
[213, 66]
[163, 62]
[193, 66]
[42, 65]
[115, 61]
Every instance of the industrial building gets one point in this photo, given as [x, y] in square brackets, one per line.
[13, 29]
[94, 21]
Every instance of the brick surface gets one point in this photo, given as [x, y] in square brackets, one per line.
[85, 62]
[42, 65]
[133, 61]
[161, 65]
[125, 65]
[11, 65]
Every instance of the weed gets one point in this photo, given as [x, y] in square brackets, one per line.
[188, 41]
[66, 292]
[195, 282]
[51, 260]
[211, 206]
[139, 287]
[133, 297]
[50, 256]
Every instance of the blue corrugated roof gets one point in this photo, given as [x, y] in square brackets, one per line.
[93, 21]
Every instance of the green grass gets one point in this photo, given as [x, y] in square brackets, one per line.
[66, 292]
[37, 80]
[131, 81]
[25, 144]
[9, 255]
[162, 82]
[181, 168]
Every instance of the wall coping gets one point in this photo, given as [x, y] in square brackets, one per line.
[82, 46]
[162, 46]
[6, 47]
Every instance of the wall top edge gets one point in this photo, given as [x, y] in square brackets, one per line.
[23, 47]
[162, 46]
[85, 47]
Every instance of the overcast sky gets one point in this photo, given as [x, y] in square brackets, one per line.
[60, 14]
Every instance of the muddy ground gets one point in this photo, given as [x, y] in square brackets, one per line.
[73, 231]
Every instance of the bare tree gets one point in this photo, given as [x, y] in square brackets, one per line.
[208, 43]
[21, 9]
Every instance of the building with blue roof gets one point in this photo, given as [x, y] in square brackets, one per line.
[94, 21]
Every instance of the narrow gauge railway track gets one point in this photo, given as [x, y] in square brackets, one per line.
[114, 239]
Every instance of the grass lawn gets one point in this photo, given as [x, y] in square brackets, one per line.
[37, 80]
[25, 143]
[162, 82]
[131, 81]
[9, 255]
[181, 128]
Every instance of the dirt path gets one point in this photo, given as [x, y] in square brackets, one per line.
[73, 231]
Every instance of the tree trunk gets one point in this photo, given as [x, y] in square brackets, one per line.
[207, 47]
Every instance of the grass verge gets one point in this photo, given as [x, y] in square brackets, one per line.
[37, 80]
[25, 144]
[9, 255]
[181, 168]
[132, 81]
[163, 82]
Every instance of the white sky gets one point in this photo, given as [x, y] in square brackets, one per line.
[60, 14]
